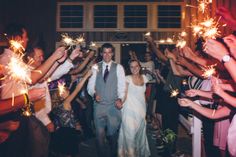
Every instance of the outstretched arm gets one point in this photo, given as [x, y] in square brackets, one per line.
[78, 87]
[209, 113]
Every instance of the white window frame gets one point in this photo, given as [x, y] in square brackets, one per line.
[151, 17]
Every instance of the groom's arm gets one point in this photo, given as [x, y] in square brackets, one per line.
[91, 84]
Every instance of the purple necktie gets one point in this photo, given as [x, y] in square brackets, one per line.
[105, 74]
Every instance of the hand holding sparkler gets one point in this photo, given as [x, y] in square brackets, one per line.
[230, 40]
[75, 53]
[216, 88]
[184, 102]
[59, 53]
[61, 88]
[209, 71]
[215, 49]
[148, 38]
[169, 54]
[191, 92]
[36, 94]
[181, 61]
[188, 53]
[63, 58]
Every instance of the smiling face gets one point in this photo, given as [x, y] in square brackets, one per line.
[107, 54]
[38, 57]
[134, 67]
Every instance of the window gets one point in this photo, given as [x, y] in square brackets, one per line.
[169, 16]
[71, 16]
[135, 16]
[105, 16]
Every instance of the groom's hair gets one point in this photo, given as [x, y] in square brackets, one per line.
[107, 46]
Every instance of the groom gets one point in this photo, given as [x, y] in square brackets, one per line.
[107, 87]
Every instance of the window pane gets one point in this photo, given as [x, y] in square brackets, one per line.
[135, 16]
[169, 16]
[71, 16]
[105, 16]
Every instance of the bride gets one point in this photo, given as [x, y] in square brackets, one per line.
[132, 140]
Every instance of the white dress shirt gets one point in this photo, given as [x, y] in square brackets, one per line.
[42, 114]
[121, 85]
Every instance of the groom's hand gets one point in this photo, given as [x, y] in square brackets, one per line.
[97, 98]
[119, 104]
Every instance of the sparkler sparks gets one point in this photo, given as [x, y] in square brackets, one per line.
[16, 46]
[202, 5]
[174, 93]
[209, 71]
[208, 29]
[18, 70]
[69, 42]
[181, 43]
[61, 88]
[147, 34]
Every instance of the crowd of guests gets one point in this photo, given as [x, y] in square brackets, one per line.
[100, 99]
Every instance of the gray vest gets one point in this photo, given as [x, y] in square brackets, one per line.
[108, 90]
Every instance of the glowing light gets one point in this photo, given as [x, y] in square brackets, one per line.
[209, 71]
[80, 39]
[147, 34]
[181, 43]
[169, 40]
[183, 34]
[211, 33]
[162, 41]
[208, 22]
[61, 88]
[16, 46]
[174, 93]
[18, 70]
[68, 41]
[196, 29]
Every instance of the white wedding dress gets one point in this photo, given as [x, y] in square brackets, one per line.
[132, 141]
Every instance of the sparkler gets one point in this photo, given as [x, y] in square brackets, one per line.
[61, 88]
[173, 92]
[162, 41]
[181, 43]
[70, 42]
[16, 46]
[209, 71]
[18, 70]
[202, 5]
[147, 34]
[169, 40]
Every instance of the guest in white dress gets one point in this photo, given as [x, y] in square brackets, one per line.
[132, 140]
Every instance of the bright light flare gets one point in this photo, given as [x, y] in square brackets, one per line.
[183, 34]
[16, 46]
[67, 40]
[61, 88]
[209, 71]
[181, 43]
[196, 29]
[147, 34]
[162, 41]
[169, 40]
[174, 93]
[18, 70]
[208, 22]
